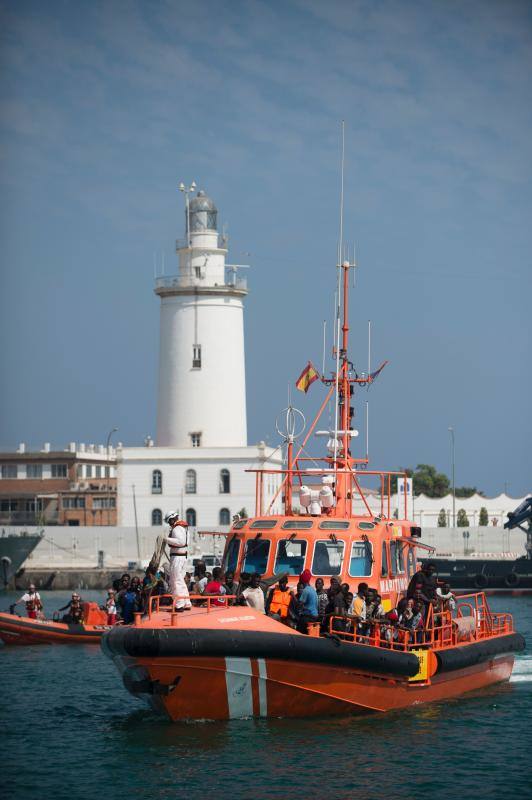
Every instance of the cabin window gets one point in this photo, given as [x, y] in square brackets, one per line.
[411, 562]
[385, 569]
[396, 554]
[257, 552]
[264, 523]
[298, 524]
[366, 526]
[361, 559]
[231, 556]
[328, 557]
[290, 556]
[334, 525]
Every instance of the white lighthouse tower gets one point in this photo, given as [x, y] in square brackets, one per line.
[202, 388]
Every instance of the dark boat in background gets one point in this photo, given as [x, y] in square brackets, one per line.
[14, 550]
[476, 572]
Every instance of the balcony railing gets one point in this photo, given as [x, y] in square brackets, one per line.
[191, 281]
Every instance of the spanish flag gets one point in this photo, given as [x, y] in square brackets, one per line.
[307, 377]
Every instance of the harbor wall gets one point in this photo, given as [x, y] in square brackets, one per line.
[118, 547]
[475, 540]
[107, 547]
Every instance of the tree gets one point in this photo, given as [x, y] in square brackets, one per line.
[461, 520]
[430, 482]
[467, 491]
[483, 516]
[442, 519]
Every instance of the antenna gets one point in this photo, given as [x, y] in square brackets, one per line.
[367, 430]
[339, 288]
[369, 347]
[163, 263]
[154, 264]
[323, 359]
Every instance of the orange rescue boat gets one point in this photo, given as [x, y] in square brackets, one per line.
[15, 629]
[233, 661]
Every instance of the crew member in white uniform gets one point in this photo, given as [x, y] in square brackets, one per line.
[178, 541]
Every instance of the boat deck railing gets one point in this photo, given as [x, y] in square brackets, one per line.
[167, 602]
[473, 621]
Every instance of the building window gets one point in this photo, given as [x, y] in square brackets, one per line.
[225, 481]
[34, 471]
[33, 505]
[225, 516]
[8, 506]
[195, 439]
[59, 470]
[196, 356]
[88, 470]
[9, 470]
[156, 481]
[190, 481]
[104, 502]
[156, 517]
[98, 469]
[107, 472]
[191, 517]
[73, 502]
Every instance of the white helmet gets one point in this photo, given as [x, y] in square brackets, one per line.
[171, 518]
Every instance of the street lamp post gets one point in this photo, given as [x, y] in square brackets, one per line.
[451, 431]
[108, 466]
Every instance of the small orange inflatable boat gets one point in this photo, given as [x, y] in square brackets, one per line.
[23, 630]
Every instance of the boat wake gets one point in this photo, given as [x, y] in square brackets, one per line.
[522, 671]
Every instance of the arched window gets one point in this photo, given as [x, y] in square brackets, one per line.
[190, 481]
[156, 517]
[156, 481]
[225, 481]
[191, 517]
[225, 516]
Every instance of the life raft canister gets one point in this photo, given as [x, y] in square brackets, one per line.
[280, 603]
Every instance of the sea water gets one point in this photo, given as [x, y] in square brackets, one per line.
[69, 730]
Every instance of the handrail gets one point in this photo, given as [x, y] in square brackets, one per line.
[155, 605]
[440, 631]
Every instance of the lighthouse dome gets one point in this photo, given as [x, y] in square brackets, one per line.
[203, 213]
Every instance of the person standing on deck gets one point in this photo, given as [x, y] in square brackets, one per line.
[32, 599]
[178, 541]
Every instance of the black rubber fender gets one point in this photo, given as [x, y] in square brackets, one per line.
[181, 642]
[469, 655]
[512, 580]
[480, 581]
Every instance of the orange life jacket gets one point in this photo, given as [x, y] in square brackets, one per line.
[280, 603]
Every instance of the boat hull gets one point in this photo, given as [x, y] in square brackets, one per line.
[207, 674]
[15, 630]
[236, 688]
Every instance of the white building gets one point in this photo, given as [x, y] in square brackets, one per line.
[199, 462]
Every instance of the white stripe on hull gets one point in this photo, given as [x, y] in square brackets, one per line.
[263, 690]
[238, 682]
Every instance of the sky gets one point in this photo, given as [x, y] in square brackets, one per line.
[106, 106]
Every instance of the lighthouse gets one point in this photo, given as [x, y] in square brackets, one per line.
[202, 388]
